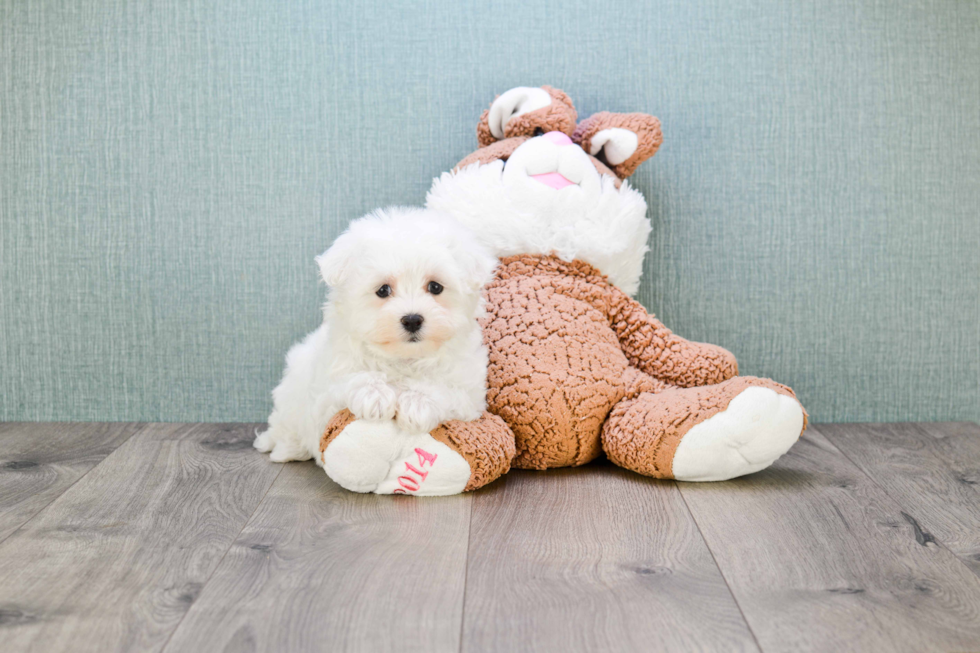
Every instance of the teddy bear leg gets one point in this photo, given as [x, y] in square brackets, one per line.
[379, 457]
[706, 433]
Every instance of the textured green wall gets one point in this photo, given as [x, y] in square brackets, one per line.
[168, 170]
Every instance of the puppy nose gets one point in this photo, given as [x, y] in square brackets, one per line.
[412, 323]
[558, 138]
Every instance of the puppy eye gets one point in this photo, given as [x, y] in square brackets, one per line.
[435, 287]
[383, 291]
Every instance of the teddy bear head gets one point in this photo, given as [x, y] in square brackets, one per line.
[615, 143]
[543, 183]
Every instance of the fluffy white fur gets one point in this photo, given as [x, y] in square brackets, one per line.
[363, 358]
[512, 213]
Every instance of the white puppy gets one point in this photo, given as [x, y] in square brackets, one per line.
[399, 339]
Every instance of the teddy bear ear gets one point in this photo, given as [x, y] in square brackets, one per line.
[524, 110]
[620, 140]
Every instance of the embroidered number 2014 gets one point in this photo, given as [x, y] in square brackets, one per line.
[411, 481]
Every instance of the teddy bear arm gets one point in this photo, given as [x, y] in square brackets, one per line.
[653, 348]
[487, 444]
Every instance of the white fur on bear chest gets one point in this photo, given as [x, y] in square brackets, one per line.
[379, 457]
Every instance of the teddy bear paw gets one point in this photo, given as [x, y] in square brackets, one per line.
[759, 426]
[382, 458]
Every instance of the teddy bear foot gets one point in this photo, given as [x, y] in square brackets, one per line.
[380, 458]
[706, 433]
[759, 426]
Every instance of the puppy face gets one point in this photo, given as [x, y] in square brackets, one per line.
[405, 305]
[404, 282]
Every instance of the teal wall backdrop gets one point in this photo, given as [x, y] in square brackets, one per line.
[168, 170]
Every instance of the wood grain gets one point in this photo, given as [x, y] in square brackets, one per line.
[933, 470]
[819, 557]
[184, 538]
[321, 568]
[593, 559]
[40, 461]
[116, 561]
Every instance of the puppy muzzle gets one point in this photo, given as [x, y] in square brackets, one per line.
[412, 323]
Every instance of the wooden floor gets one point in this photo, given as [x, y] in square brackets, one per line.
[148, 537]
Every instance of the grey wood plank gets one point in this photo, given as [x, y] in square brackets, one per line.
[820, 558]
[593, 559]
[115, 562]
[931, 470]
[319, 568]
[39, 461]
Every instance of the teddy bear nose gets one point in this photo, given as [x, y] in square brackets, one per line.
[558, 138]
[412, 323]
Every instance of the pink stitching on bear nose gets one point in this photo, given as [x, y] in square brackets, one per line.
[558, 138]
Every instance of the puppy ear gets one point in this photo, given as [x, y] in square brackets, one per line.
[336, 261]
[523, 110]
[475, 262]
[478, 268]
[620, 140]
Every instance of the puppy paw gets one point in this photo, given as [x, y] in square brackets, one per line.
[263, 441]
[417, 412]
[374, 400]
[281, 445]
[285, 452]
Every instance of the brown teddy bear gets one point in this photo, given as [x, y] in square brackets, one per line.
[577, 367]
